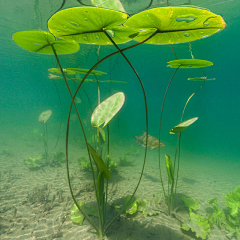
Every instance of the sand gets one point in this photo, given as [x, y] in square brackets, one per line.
[24, 215]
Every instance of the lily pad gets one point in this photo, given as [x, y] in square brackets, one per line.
[175, 24]
[58, 71]
[84, 71]
[44, 116]
[86, 25]
[110, 4]
[99, 163]
[180, 127]
[201, 79]
[189, 63]
[105, 111]
[42, 42]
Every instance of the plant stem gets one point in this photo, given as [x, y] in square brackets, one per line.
[179, 138]
[67, 133]
[159, 162]
[68, 122]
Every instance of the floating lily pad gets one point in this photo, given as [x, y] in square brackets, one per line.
[105, 111]
[180, 127]
[99, 163]
[58, 71]
[84, 71]
[44, 116]
[42, 42]
[110, 4]
[189, 63]
[86, 25]
[175, 24]
[201, 79]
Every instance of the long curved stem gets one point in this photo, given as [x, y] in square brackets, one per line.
[60, 103]
[160, 125]
[179, 137]
[67, 165]
[70, 108]
[146, 112]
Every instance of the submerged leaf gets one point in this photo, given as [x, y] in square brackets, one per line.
[180, 127]
[58, 71]
[217, 216]
[44, 116]
[191, 204]
[76, 215]
[233, 201]
[197, 224]
[105, 111]
[84, 71]
[99, 163]
[169, 168]
[201, 79]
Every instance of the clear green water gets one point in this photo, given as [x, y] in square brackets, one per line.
[209, 148]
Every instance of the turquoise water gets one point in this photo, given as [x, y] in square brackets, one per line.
[26, 91]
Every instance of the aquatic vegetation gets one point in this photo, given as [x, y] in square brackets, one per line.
[35, 163]
[197, 224]
[229, 219]
[109, 27]
[57, 159]
[233, 202]
[218, 216]
[84, 164]
[175, 24]
[7, 152]
[43, 117]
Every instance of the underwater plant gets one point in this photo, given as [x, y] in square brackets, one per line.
[35, 163]
[109, 27]
[43, 117]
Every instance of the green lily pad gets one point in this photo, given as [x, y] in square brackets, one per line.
[84, 71]
[175, 24]
[44, 116]
[201, 79]
[180, 127]
[110, 4]
[189, 63]
[106, 110]
[42, 42]
[169, 168]
[99, 163]
[197, 224]
[86, 25]
[58, 71]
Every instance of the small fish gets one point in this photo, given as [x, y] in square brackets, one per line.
[152, 141]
